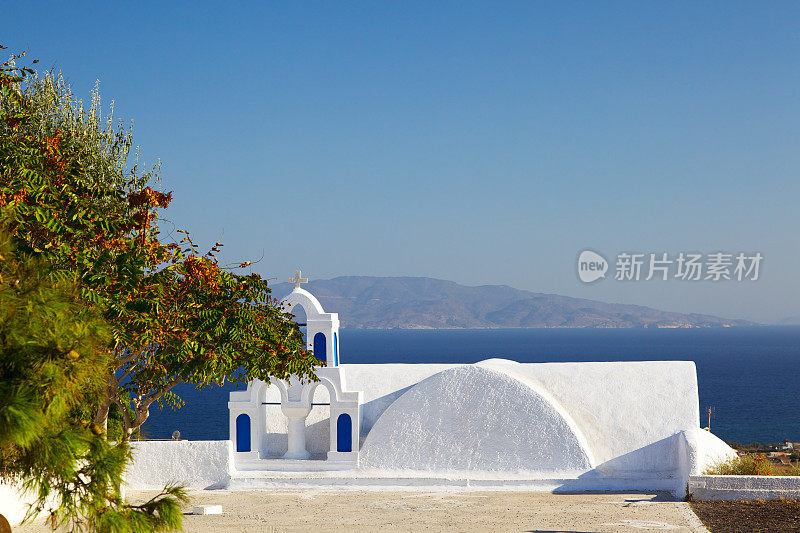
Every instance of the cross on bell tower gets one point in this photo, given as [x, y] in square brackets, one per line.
[297, 279]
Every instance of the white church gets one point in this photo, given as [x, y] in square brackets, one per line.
[569, 426]
[496, 424]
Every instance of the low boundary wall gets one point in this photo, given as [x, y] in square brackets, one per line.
[210, 465]
[744, 488]
[202, 464]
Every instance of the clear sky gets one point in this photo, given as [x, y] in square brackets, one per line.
[484, 143]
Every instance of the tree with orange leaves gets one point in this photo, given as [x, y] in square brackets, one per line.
[173, 314]
[176, 315]
[54, 352]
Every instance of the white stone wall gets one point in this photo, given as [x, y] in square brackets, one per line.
[579, 426]
[382, 385]
[702, 449]
[627, 412]
[200, 464]
[13, 503]
[744, 488]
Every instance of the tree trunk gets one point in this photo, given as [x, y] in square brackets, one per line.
[142, 413]
[101, 418]
[141, 409]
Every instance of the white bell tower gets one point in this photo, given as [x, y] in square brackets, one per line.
[248, 409]
[322, 329]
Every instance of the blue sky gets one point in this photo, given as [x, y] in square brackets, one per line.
[476, 142]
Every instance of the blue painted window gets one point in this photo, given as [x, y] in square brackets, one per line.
[335, 350]
[242, 433]
[319, 347]
[344, 433]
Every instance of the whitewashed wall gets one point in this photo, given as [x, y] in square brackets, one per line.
[626, 410]
[13, 503]
[196, 464]
[626, 425]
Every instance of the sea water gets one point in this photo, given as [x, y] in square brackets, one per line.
[750, 376]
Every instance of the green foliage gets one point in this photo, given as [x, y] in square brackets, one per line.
[54, 356]
[174, 314]
[160, 513]
[195, 322]
[133, 315]
[53, 361]
[104, 141]
[746, 465]
[52, 346]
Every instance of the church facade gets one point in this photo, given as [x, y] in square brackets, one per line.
[568, 426]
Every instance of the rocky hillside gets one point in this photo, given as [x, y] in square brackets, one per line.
[407, 302]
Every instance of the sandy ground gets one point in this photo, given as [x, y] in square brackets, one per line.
[316, 510]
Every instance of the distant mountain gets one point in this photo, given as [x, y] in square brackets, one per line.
[365, 302]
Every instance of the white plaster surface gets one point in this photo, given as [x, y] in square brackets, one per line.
[619, 407]
[317, 423]
[13, 503]
[381, 384]
[704, 449]
[195, 464]
[555, 426]
[624, 409]
[625, 416]
[472, 418]
[744, 488]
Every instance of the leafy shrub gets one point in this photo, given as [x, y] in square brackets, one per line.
[750, 465]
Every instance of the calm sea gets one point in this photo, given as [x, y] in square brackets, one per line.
[751, 376]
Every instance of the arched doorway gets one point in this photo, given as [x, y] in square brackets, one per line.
[320, 347]
[344, 433]
[243, 433]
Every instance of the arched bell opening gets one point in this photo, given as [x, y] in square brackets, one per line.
[301, 320]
